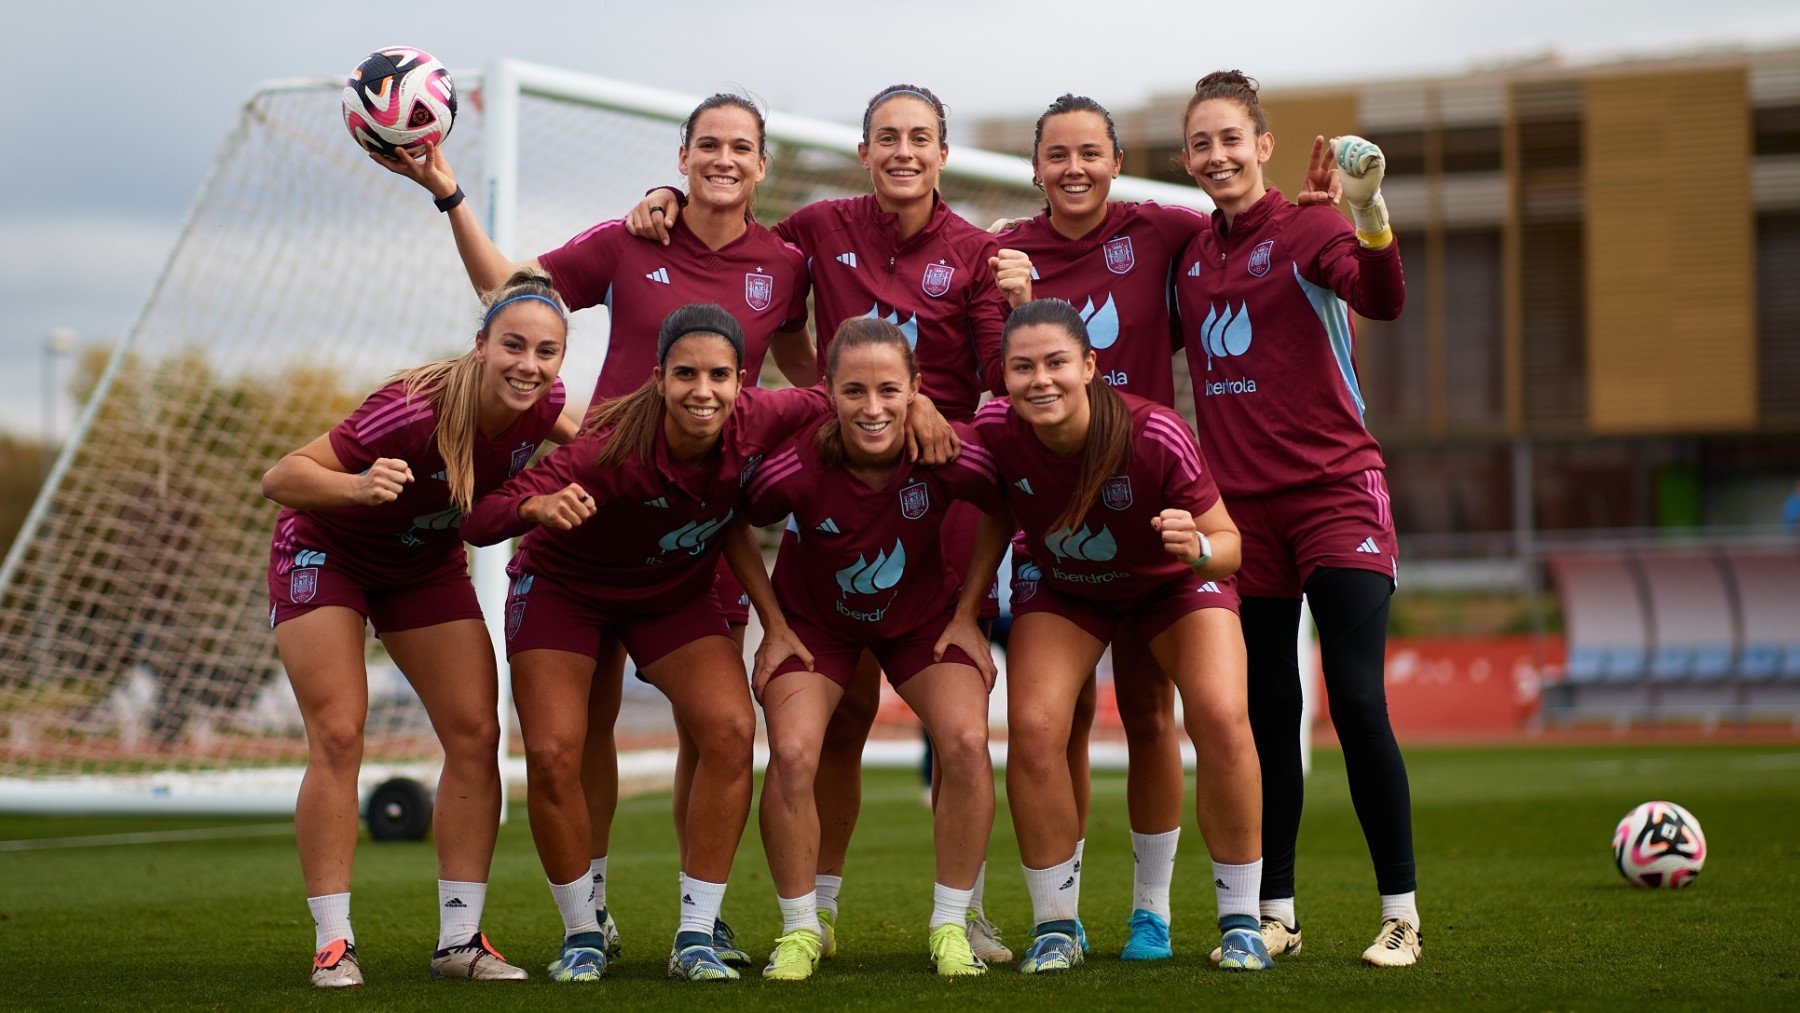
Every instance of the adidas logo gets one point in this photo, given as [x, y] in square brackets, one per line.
[1067, 883]
[847, 259]
[1207, 588]
[660, 501]
[660, 276]
[455, 902]
[1220, 884]
[829, 527]
[442, 476]
[1024, 485]
[1194, 272]
[687, 898]
[1368, 545]
[599, 878]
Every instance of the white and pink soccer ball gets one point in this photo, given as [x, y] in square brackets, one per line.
[400, 98]
[1659, 844]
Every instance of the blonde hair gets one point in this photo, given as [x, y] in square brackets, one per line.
[453, 388]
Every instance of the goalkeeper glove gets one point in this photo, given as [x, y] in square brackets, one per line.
[1361, 166]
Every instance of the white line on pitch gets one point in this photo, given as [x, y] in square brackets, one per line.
[150, 837]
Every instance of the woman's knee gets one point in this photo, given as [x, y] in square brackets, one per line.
[336, 742]
[963, 751]
[727, 736]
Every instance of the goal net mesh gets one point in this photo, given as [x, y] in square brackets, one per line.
[134, 633]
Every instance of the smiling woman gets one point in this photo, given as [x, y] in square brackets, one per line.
[369, 535]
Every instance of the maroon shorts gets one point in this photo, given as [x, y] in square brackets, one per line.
[957, 542]
[835, 657]
[734, 602]
[1153, 612]
[1290, 535]
[306, 579]
[543, 615]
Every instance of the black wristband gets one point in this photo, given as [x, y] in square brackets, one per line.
[446, 203]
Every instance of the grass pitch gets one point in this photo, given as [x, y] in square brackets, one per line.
[1521, 906]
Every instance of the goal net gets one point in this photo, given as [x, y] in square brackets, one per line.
[137, 669]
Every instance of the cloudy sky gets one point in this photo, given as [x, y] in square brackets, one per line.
[113, 110]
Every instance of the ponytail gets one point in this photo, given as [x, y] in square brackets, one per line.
[1108, 448]
[453, 387]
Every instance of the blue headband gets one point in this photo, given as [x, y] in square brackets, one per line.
[502, 304]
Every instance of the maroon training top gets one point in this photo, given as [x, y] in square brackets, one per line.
[416, 534]
[653, 542]
[756, 277]
[865, 563]
[1113, 553]
[1271, 347]
[1117, 276]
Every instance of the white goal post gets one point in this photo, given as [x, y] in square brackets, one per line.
[137, 670]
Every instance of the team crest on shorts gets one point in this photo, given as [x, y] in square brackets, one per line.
[1119, 258]
[515, 614]
[759, 291]
[520, 458]
[1259, 258]
[1116, 493]
[915, 499]
[303, 584]
[937, 279]
[1026, 585]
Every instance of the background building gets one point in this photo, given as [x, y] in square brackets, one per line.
[1603, 317]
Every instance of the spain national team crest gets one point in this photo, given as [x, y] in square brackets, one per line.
[521, 457]
[1119, 258]
[915, 500]
[1259, 258]
[303, 584]
[1116, 493]
[515, 615]
[937, 279]
[759, 291]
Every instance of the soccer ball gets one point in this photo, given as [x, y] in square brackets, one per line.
[400, 98]
[1659, 844]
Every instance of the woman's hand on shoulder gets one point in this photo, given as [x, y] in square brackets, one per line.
[564, 510]
[651, 217]
[930, 440]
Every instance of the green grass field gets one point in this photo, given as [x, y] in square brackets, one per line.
[1522, 908]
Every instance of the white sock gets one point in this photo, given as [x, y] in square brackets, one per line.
[976, 894]
[949, 906]
[1055, 891]
[459, 911]
[1404, 906]
[575, 902]
[1282, 908]
[800, 912]
[1153, 869]
[1236, 887]
[331, 918]
[700, 902]
[597, 874]
[826, 888]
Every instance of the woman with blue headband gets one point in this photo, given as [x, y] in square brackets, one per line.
[369, 533]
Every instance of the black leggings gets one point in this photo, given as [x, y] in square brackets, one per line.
[1351, 610]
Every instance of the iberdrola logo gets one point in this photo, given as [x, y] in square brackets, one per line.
[1082, 544]
[867, 576]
